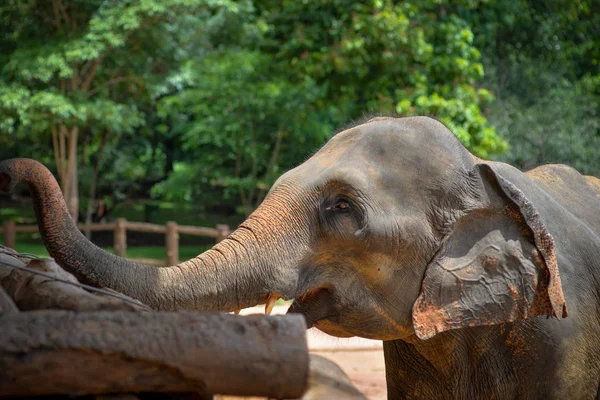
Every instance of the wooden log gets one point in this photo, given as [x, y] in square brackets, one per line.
[97, 227]
[135, 226]
[198, 231]
[27, 228]
[9, 259]
[145, 227]
[120, 237]
[62, 352]
[9, 230]
[35, 292]
[172, 243]
[7, 305]
[224, 231]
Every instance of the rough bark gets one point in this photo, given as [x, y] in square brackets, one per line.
[92, 194]
[65, 154]
[34, 292]
[62, 352]
[7, 305]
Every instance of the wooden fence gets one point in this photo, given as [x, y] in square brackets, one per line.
[171, 230]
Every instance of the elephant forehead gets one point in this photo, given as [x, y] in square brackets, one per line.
[393, 145]
[405, 156]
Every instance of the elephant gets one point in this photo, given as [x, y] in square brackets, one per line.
[481, 280]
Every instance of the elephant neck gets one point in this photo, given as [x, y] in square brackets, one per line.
[412, 373]
[480, 362]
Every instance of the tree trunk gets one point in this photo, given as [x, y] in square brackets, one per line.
[62, 352]
[72, 197]
[270, 166]
[92, 196]
[65, 154]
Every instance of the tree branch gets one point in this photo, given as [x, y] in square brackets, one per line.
[75, 80]
[57, 158]
[90, 76]
[73, 199]
[62, 172]
[56, 14]
[271, 165]
[109, 83]
[87, 66]
[63, 11]
[92, 195]
[238, 169]
[254, 169]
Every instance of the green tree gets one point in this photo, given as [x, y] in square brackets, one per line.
[237, 121]
[71, 67]
[542, 61]
[313, 66]
[386, 56]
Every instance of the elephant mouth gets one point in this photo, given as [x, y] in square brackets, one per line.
[315, 305]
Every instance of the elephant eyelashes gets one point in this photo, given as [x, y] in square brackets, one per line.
[340, 205]
[340, 216]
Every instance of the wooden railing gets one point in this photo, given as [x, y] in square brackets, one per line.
[171, 230]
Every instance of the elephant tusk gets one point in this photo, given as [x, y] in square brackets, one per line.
[271, 302]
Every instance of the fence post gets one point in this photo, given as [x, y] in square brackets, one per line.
[172, 242]
[223, 232]
[120, 237]
[10, 230]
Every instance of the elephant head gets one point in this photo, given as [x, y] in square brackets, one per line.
[391, 229]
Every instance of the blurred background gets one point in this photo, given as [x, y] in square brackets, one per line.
[188, 110]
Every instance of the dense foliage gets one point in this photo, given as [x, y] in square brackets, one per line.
[542, 62]
[80, 73]
[209, 101]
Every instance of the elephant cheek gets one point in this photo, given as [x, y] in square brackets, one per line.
[332, 329]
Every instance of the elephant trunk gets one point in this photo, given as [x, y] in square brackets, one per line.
[255, 262]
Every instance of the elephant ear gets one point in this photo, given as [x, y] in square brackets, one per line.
[497, 265]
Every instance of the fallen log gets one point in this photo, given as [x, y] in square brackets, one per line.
[7, 305]
[55, 289]
[62, 352]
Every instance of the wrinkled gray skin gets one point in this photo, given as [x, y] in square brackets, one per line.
[394, 231]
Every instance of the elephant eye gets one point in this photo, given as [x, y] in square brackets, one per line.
[340, 205]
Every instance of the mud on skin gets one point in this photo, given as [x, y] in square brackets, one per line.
[467, 269]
